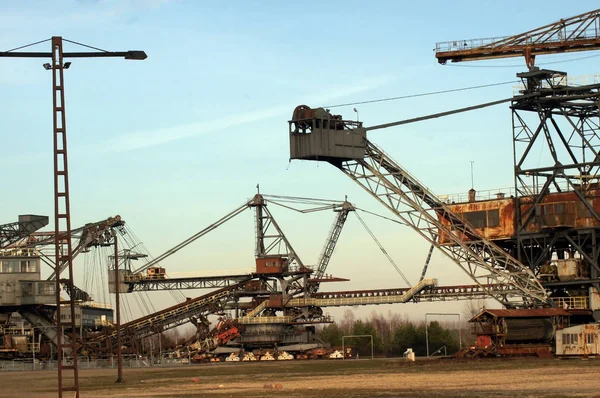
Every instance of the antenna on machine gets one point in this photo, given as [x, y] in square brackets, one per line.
[472, 180]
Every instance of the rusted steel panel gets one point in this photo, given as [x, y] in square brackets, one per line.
[270, 265]
[541, 350]
[508, 51]
[497, 223]
[484, 341]
[275, 301]
[523, 313]
[573, 212]
[559, 209]
[581, 340]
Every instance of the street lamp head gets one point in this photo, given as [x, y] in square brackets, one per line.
[47, 66]
[66, 65]
[136, 54]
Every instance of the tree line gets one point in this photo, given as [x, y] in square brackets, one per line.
[392, 335]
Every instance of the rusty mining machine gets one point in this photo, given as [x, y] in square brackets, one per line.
[535, 249]
[274, 307]
[551, 221]
[541, 241]
[23, 252]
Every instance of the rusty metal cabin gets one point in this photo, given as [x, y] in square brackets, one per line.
[580, 340]
[271, 265]
[560, 234]
[496, 220]
[518, 331]
[316, 134]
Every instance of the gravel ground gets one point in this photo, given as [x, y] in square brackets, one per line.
[362, 378]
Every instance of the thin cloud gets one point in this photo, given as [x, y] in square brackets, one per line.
[153, 137]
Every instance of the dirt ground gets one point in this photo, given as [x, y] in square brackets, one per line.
[351, 378]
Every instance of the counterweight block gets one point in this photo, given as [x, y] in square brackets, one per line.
[316, 134]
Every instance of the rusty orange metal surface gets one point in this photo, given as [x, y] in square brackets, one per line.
[482, 53]
[484, 341]
[560, 209]
[541, 350]
[581, 340]
[523, 313]
[275, 301]
[270, 265]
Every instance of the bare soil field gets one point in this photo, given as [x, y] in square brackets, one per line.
[351, 378]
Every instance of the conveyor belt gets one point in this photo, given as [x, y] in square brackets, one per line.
[434, 293]
[172, 316]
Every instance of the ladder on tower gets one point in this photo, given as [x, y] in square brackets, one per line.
[62, 228]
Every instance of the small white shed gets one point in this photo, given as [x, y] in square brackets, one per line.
[580, 340]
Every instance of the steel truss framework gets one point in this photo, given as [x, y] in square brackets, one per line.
[270, 239]
[227, 298]
[168, 318]
[210, 282]
[334, 235]
[13, 232]
[562, 120]
[578, 33]
[482, 260]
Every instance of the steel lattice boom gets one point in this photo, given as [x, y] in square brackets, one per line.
[578, 33]
[485, 262]
[170, 317]
[332, 239]
[318, 135]
[27, 224]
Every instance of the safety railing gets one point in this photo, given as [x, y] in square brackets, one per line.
[561, 80]
[468, 44]
[575, 302]
[494, 42]
[258, 320]
[507, 192]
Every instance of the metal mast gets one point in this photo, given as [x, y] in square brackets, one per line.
[62, 213]
[62, 222]
[270, 239]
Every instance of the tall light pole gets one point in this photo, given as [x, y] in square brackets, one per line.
[118, 313]
[62, 207]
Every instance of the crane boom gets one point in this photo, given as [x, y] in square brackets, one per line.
[27, 224]
[481, 259]
[193, 238]
[578, 33]
[332, 239]
[318, 135]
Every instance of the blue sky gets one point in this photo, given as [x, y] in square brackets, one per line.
[176, 141]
